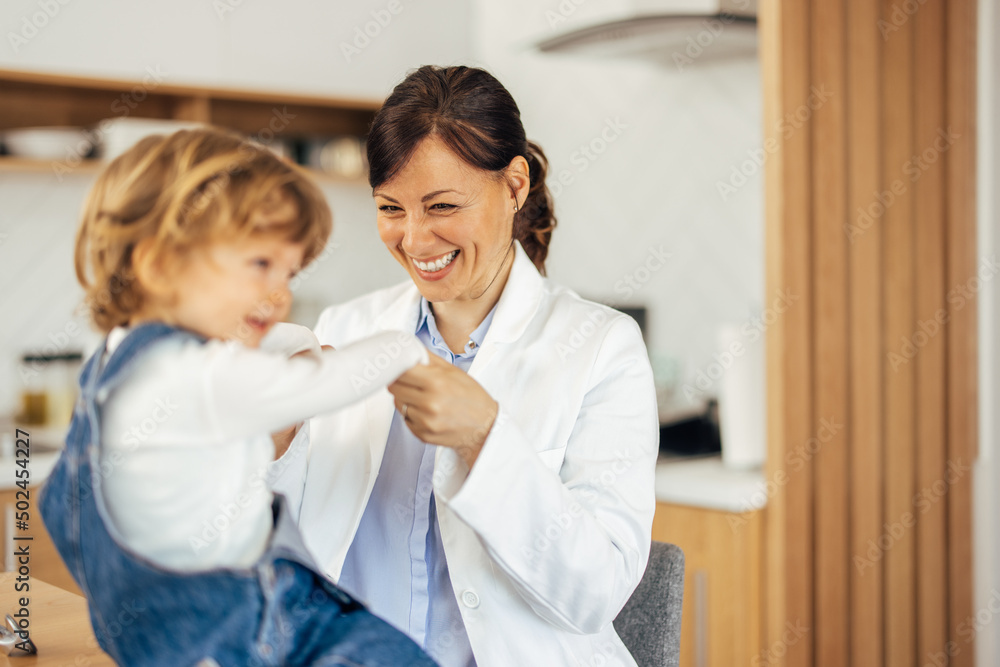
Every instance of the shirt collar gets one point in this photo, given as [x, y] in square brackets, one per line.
[426, 321]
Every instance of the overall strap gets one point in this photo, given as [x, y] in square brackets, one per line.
[135, 342]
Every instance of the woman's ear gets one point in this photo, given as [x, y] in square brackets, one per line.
[519, 179]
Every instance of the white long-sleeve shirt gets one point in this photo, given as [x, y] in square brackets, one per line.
[186, 436]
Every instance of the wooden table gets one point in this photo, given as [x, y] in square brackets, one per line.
[60, 626]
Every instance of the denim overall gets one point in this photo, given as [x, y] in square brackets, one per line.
[277, 612]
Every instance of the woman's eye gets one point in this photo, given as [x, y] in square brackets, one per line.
[443, 207]
[388, 208]
[261, 263]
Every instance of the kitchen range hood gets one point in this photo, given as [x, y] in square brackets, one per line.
[673, 32]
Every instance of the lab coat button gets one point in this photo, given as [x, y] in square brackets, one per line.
[470, 599]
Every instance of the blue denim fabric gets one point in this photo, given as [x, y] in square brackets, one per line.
[278, 612]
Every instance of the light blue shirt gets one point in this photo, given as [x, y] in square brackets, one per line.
[396, 563]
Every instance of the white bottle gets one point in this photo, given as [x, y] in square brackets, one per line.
[742, 400]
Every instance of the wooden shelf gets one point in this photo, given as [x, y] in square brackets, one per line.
[10, 163]
[33, 99]
[22, 164]
[37, 99]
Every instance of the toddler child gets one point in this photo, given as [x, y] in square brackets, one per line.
[159, 504]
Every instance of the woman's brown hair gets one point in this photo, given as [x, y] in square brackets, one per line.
[185, 190]
[477, 118]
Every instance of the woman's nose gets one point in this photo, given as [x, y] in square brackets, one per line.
[417, 234]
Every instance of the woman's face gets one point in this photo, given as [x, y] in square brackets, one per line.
[448, 223]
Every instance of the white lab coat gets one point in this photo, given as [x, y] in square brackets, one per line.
[548, 535]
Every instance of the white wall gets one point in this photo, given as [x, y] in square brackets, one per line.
[987, 469]
[655, 186]
[286, 44]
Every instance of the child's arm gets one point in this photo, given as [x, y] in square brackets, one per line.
[251, 391]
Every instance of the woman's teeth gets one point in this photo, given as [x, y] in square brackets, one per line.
[434, 267]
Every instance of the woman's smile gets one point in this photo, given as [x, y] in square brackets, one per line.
[434, 266]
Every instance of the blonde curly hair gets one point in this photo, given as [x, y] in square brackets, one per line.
[184, 190]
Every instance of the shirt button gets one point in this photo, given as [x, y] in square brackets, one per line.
[470, 599]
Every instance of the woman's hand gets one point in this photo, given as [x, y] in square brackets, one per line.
[442, 405]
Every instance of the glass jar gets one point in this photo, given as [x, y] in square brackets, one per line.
[49, 391]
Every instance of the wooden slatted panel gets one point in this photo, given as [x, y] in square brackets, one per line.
[925, 176]
[910, 392]
[897, 539]
[962, 264]
[830, 330]
[784, 38]
[864, 232]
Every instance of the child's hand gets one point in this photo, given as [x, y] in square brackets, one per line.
[283, 438]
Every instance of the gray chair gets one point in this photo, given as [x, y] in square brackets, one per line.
[650, 622]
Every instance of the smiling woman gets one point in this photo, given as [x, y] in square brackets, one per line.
[496, 503]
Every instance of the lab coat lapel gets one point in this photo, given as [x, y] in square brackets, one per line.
[521, 297]
[518, 304]
[399, 315]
